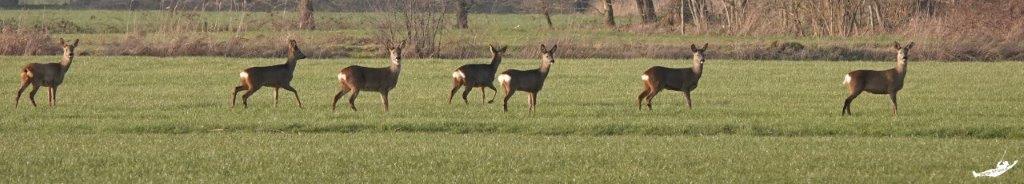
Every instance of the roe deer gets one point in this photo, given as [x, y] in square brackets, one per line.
[529, 81]
[878, 82]
[276, 76]
[48, 75]
[357, 78]
[677, 79]
[477, 75]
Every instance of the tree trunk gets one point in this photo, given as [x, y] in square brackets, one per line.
[650, 14]
[462, 14]
[306, 20]
[547, 16]
[8, 3]
[609, 18]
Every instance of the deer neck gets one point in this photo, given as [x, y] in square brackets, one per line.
[291, 63]
[65, 62]
[901, 68]
[395, 67]
[495, 61]
[544, 67]
[698, 68]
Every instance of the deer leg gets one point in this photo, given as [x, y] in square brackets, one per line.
[892, 97]
[533, 101]
[53, 98]
[651, 97]
[352, 99]
[384, 100]
[508, 94]
[290, 88]
[276, 90]
[245, 97]
[849, 99]
[456, 84]
[234, 95]
[24, 84]
[495, 93]
[688, 104]
[32, 95]
[483, 95]
[465, 93]
[334, 104]
[640, 99]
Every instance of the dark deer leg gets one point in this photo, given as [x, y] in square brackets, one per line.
[533, 101]
[245, 97]
[276, 91]
[32, 95]
[54, 97]
[892, 96]
[508, 94]
[650, 97]
[384, 99]
[24, 84]
[455, 88]
[688, 101]
[234, 95]
[483, 95]
[292, 89]
[465, 93]
[495, 93]
[640, 99]
[352, 99]
[849, 99]
[334, 104]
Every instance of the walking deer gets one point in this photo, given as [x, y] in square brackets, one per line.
[529, 81]
[276, 76]
[357, 78]
[677, 79]
[48, 75]
[477, 75]
[878, 82]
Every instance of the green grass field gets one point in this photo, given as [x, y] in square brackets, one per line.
[167, 119]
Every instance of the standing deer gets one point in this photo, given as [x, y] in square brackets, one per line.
[677, 79]
[276, 76]
[878, 82]
[357, 78]
[529, 81]
[48, 75]
[477, 75]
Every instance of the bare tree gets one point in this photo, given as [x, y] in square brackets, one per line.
[462, 14]
[609, 18]
[417, 22]
[543, 7]
[306, 20]
[8, 3]
[646, 10]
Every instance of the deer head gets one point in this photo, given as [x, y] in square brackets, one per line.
[498, 51]
[698, 53]
[902, 52]
[69, 49]
[395, 52]
[294, 52]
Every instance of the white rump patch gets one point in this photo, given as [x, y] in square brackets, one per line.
[458, 74]
[846, 79]
[243, 75]
[645, 77]
[28, 73]
[504, 78]
[342, 77]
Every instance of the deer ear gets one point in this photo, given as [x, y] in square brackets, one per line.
[75, 43]
[693, 47]
[62, 43]
[400, 46]
[543, 48]
[908, 46]
[553, 48]
[896, 45]
[705, 48]
[492, 48]
[504, 48]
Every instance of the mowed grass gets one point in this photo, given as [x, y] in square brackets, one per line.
[146, 119]
[476, 158]
[581, 97]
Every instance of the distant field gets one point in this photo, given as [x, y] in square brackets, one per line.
[167, 120]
